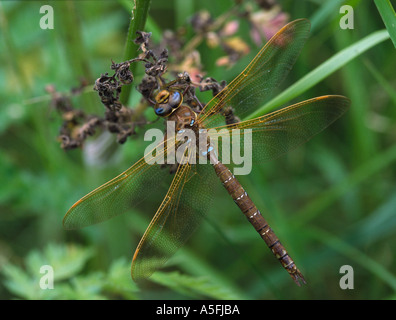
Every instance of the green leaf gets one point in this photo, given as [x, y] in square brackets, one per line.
[192, 286]
[66, 261]
[119, 280]
[86, 287]
[18, 282]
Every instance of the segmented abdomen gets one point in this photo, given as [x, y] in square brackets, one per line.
[254, 216]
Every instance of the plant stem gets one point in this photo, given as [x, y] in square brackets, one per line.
[138, 20]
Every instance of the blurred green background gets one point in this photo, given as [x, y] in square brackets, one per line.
[332, 202]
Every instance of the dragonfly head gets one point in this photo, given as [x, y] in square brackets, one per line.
[167, 102]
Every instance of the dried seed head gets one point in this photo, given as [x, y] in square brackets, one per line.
[201, 21]
[143, 39]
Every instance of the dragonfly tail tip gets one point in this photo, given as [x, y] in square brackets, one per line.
[298, 278]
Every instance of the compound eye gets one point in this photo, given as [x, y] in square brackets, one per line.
[162, 96]
[159, 111]
[175, 99]
[163, 111]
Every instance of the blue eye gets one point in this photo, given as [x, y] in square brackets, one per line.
[159, 111]
[175, 100]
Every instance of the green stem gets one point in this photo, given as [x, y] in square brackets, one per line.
[138, 20]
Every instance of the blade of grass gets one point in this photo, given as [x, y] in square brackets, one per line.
[379, 224]
[138, 20]
[195, 265]
[77, 55]
[384, 83]
[12, 56]
[324, 13]
[190, 262]
[243, 256]
[183, 9]
[388, 16]
[78, 59]
[321, 72]
[352, 253]
[369, 168]
[195, 286]
[364, 144]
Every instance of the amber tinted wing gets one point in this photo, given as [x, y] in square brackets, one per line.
[125, 191]
[281, 131]
[271, 65]
[180, 213]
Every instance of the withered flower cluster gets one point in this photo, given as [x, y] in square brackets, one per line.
[76, 126]
[120, 119]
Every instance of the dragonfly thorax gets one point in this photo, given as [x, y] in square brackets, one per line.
[184, 117]
[185, 120]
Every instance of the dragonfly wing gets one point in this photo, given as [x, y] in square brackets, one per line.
[281, 131]
[124, 192]
[180, 213]
[265, 72]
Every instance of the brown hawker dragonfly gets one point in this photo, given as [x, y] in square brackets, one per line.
[187, 198]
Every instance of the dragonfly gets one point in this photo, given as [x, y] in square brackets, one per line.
[190, 187]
